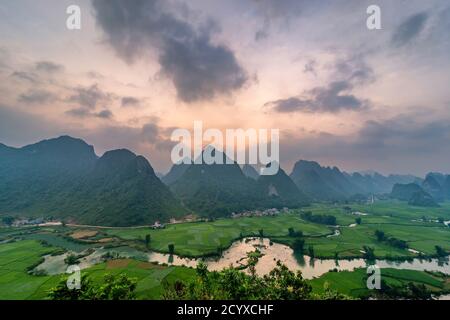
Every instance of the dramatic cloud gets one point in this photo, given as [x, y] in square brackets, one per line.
[353, 69]
[332, 98]
[157, 136]
[409, 29]
[198, 68]
[276, 13]
[105, 114]
[37, 97]
[25, 76]
[48, 66]
[86, 113]
[130, 102]
[89, 97]
[397, 145]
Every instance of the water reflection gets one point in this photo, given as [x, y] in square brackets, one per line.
[236, 256]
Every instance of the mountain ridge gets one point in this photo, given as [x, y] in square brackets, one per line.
[64, 178]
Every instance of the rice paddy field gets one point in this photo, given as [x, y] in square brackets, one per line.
[353, 283]
[207, 238]
[17, 284]
[396, 219]
[23, 248]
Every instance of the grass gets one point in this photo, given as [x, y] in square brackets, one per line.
[393, 217]
[17, 284]
[207, 238]
[57, 240]
[353, 283]
[150, 277]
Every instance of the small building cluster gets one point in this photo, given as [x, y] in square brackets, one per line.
[41, 222]
[259, 213]
[27, 222]
[158, 225]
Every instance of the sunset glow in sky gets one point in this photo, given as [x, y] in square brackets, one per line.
[339, 93]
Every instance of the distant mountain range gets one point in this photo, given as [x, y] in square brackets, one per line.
[220, 189]
[330, 184]
[65, 179]
[435, 188]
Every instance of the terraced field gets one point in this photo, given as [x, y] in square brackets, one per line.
[17, 257]
[353, 283]
[206, 238]
[396, 219]
[419, 227]
[17, 284]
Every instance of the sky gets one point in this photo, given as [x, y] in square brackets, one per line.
[339, 93]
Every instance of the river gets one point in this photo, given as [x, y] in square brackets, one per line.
[236, 256]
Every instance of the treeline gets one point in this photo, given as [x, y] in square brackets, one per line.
[318, 218]
[411, 291]
[228, 284]
[393, 242]
[231, 284]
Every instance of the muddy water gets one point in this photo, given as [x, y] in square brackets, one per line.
[236, 256]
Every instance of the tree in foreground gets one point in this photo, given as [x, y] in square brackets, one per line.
[232, 284]
[113, 287]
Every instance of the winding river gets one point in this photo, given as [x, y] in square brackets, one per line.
[236, 256]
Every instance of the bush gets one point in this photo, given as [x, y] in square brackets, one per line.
[231, 284]
[113, 287]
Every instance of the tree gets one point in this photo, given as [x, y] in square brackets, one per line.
[440, 251]
[171, 247]
[311, 252]
[293, 233]
[71, 259]
[148, 239]
[299, 245]
[231, 284]
[8, 221]
[113, 287]
[369, 253]
[380, 235]
[358, 220]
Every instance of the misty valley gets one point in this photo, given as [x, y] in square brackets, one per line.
[112, 216]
